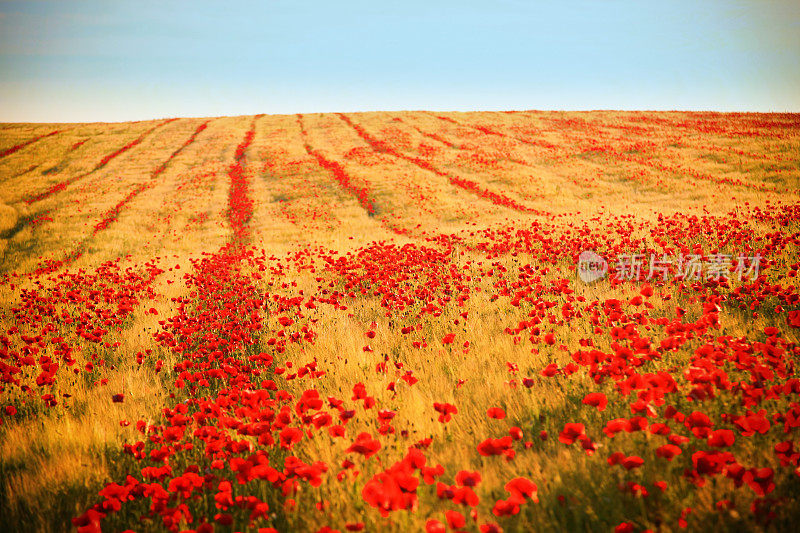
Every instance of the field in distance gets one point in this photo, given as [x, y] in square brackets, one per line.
[405, 321]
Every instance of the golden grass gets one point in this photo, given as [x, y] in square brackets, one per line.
[54, 460]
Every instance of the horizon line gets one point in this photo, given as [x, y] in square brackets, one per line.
[531, 110]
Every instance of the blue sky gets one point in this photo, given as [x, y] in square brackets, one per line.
[127, 60]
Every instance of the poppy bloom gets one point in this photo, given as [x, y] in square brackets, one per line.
[596, 399]
[455, 520]
[496, 413]
[365, 445]
[445, 410]
[434, 526]
[721, 438]
[668, 451]
[495, 446]
[468, 479]
[571, 432]
[550, 370]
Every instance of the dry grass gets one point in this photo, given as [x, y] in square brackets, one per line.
[594, 168]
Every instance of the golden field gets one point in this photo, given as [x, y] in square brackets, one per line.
[374, 321]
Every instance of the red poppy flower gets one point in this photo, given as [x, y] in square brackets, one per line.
[496, 413]
[365, 445]
[596, 399]
[571, 432]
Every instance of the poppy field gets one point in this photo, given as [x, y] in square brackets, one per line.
[378, 322]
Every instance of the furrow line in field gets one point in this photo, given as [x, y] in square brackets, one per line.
[111, 215]
[342, 177]
[648, 162]
[455, 146]
[20, 146]
[490, 131]
[240, 205]
[102, 163]
[465, 184]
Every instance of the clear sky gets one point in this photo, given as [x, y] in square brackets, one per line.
[109, 60]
